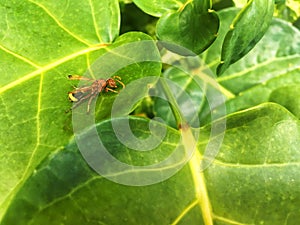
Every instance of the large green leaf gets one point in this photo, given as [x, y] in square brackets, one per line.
[193, 26]
[190, 25]
[41, 43]
[246, 30]
[253, 179]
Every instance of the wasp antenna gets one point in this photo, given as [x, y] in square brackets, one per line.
[118, 77]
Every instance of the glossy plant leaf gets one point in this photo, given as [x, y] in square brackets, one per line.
[256, 173]
[287, 97]
[246, 30]
[270, 65]
[158, 8]
[41, 44]
[253, 179]
[183, 24]
[189, 95]
[193, 26]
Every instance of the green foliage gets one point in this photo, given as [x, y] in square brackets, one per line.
[288, 10]
[192, 26]
[252, 178]
[240, 180]
[246, 30]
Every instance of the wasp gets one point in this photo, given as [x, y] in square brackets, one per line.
[89, 92]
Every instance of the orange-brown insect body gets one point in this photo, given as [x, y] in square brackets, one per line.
[89, 92]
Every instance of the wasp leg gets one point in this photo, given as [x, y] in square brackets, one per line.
[76, 101]
[112, 90]
[77, 77]
[81, 100]
[118, 79]
[90, 102]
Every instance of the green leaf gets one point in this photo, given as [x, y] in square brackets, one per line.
[41, 43]
[253, 179]
[240, 3]
[132, 56]
[100, 21]
[287, 97]
[288, 10]
[159, 7]
[188, 94]
[133, 18]
[193, 26]
[247, 29]
[270, 65]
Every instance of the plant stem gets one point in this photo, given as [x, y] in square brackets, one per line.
[190, 145]
[179, 118]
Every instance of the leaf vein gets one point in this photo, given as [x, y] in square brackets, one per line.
[19, 56]
[47, 67]
[263, 165]
[257, 66]
[185, 211]
[229, 221]
[94, 21]
[60, 24]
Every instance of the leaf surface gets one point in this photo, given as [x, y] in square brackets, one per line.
[158, 8]
[189, 94]
[270, 65]
[193, 26]
[41, 44]
[287, 97]
[247, 29]
[255, 174]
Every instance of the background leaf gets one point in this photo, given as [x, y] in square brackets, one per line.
[286, 96]
[288, 10]
[193, 26]
[189, 95]
[246, 165]
[240, 3]
[246, 30]
[158, 8]
[255, 176]
[133, 18]
[271, 64]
